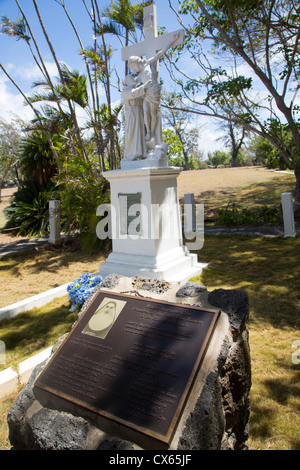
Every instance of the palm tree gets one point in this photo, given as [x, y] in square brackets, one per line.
[36, 158]
[62, 79]
[71, 88]
[123, 19]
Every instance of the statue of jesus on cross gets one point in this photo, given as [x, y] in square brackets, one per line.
[153, 48]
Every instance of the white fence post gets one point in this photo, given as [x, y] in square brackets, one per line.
[2, 352]
[288, 215]
[189, 213]
[54, 218]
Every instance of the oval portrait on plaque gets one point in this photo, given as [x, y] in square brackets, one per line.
[103, 319]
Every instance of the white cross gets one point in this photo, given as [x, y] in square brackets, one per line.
[152, 43]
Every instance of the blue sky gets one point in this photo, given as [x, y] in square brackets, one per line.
[16, 58]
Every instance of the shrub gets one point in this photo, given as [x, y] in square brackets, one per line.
[80, 198]
[28, 213]
[232, 215]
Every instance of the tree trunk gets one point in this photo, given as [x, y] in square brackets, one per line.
[186, 160]
[297, 192]
[234, 156]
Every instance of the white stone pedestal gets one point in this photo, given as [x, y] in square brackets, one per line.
[146, 226]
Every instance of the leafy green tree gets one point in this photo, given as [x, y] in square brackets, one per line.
[179, 121]
[78, 158]
[79, 200]
[253, 43]
[71, 89]
[174, 147]
[10, 137]
[265, 153]
[218, 157]
[234, 139]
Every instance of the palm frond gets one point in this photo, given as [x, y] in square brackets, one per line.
[16, 30]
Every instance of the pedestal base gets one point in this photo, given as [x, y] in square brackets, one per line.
[176, 266]
[146, 226]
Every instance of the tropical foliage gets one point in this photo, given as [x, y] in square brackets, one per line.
[28, 212]
[36, 158]
[10, 136]
[252, 46]
[59, 150]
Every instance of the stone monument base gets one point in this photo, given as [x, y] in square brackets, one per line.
[146, 227]
[177, 265]
[216, 414]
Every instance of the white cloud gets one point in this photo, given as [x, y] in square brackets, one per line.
[31, 72]
[209, 133]
[12, 103]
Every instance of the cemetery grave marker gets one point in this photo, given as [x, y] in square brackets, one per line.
[129, 363]
[148, 242]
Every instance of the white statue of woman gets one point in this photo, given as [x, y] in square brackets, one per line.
[147, 72]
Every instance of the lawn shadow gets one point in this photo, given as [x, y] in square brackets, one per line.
[36, 329]
[261, 420]
[264, 418]
[268, 269]
[281, 391]
[49, 259]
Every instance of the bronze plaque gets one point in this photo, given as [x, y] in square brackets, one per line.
[131, 361]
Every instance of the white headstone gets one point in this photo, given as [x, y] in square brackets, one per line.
[288, 215]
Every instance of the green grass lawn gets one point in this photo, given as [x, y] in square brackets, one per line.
[269, 270]
[266, 193]
[30, 332]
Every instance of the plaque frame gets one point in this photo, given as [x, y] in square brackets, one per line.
[51, 397]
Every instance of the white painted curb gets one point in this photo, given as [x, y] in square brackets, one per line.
[10, 379]
[36, 301]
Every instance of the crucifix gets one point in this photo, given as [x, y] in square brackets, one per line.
[152, 43]
[143, 58]
[145, 219]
